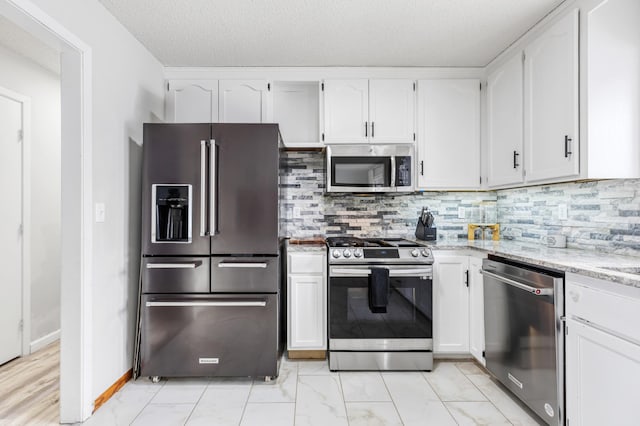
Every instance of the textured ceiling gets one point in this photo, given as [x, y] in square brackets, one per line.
[328, 32]
[18, 40]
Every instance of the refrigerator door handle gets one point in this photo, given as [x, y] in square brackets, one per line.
[212, 186]
[241, 265]
[247, 303]
[191, 265]
[203, 191]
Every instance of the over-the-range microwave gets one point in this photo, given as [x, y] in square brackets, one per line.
[370, 168]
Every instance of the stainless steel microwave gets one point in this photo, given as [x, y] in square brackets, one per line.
[370, 168]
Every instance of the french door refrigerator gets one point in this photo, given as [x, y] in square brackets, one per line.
[211, 300]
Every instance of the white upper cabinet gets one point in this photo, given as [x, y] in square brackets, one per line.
[296, 110]
[392, 111]
[346, 111]
[551, 102]
[192, 101]
[448, 134]
[505, 124]
[369, 111]
[243, 101]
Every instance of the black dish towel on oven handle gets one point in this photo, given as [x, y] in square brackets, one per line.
[378, 290]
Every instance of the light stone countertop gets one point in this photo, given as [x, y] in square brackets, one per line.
[300, 246]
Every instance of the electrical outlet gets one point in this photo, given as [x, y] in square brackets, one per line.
[461, 213]
[100, 212]
[563, 213]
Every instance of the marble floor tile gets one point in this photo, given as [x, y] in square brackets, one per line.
[220, 405]
[319, 401]
[231, 381]
[283, 389]
[364, 386]
[470, 367]
[372, 414]
[268, 414]
[163, 415]
[451, 384]
[504, 401]
[178, 391]
[314, 368]
[123, 407]
[476, 413]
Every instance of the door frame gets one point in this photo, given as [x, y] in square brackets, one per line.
[25, 172]
[76, 403]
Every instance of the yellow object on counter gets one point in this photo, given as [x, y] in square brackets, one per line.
[495, 230]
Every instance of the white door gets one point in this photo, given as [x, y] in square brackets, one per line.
[10, 227]
[243, 101]
[476, 309]
[346, 111]
[392, 111]
[450, 305]
[504, 124]
[602, 377]
[448, 134]
[551, 102]
[192, 101]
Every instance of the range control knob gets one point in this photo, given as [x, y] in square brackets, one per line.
[357, 253]
[415, 253]
[336, 253]
[425, 252]
[347, 253]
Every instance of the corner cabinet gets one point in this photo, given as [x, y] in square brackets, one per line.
[191, 101]
[306, 302]
[369, 111]
[450, 303]
[448, 134]
[551, 124]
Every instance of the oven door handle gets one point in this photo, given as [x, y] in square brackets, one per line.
[360, 272]
[533, 290]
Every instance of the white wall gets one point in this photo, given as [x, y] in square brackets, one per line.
[127, 91]
[23, 76]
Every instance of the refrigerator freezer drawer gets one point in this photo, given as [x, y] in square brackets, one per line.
[175, 274]
[207, 335]
[245, 274]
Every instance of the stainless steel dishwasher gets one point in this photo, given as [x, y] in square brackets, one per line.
[524, 333]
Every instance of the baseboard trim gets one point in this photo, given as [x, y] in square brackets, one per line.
[310, 354]
[40, 343]
[104, 397]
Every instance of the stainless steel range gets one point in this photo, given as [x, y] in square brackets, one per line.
[380, 304]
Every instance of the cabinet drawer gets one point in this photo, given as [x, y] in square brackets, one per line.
[306, 263]
[617, 313]
[175, 275]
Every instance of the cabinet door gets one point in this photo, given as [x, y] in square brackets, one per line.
[504, 124]
[295, 109]
[307, 312]
[450, 305]
[243, 101]
[346, 111]
[392, 111]
[551, 102]
[476, 309]
[602, 377]
[192, 101]
[448, 134]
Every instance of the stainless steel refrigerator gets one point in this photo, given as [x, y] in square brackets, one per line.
[210, 284]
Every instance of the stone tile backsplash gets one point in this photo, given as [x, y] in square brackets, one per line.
[602, 215]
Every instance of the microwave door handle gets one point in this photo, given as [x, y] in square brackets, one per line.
[393, 171]
[213, 148]
[204, 231]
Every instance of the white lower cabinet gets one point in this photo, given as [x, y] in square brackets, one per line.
[602, 353]
[307, 301]
[476, 309]
[450, 304]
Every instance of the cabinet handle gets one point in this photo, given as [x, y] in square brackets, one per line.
[422, 168]
[366, 128]
[567, 139]
[373, 129]
[466, 277]
[515, 159]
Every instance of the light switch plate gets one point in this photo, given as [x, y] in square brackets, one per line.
[100, 212]
[563, 213]
[461, 213]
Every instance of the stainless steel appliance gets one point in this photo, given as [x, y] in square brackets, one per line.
[211, 299]
[524, 333]
[380, 304]
[370, 168]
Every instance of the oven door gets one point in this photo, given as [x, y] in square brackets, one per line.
[407, 324]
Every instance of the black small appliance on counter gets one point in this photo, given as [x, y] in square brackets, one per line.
[424, 229]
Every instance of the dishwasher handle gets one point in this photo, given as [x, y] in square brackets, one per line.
[533, 290]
